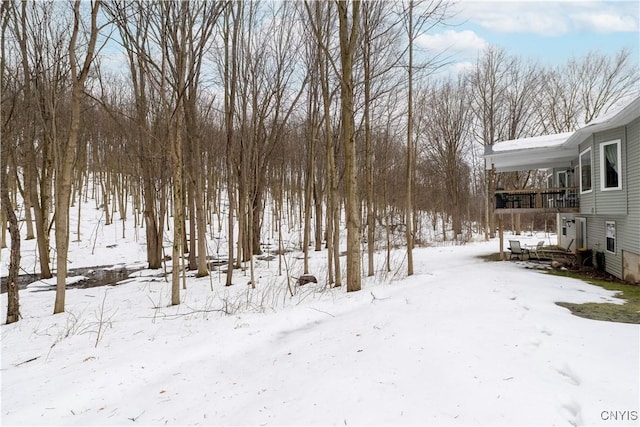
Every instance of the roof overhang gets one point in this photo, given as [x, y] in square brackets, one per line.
[540, 152]
[558, 150]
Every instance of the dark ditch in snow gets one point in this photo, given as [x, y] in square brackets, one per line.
[95, 276]
[102, 275]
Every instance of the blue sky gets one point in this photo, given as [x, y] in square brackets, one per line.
[550, 32]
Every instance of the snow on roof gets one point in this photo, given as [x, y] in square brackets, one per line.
[543, 141]
[615, 108]
[619, 113]
[558, 150]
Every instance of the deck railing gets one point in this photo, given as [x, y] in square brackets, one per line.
[549, 199]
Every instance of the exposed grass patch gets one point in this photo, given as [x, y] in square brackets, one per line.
[629, 312]
[491, 257]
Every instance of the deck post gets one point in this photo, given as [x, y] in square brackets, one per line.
[501, 234]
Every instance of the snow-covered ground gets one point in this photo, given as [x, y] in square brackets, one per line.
[462, 342]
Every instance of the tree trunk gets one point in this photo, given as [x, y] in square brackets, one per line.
[3, 228]
[230, 82]
[317, 197]
[13, 295]
[491, 190]
[193, 265]
[6, 208]
[178, 209]
[42, 237]
[257, 209]
[309, 179]
[348, 37]
[386, 221]
[201, 229]
[410, 151]
[333, 232]
[66, 154]
[368, 170]
[152, 229]
[26, 197]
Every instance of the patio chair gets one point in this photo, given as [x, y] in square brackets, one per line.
[517, 251]
[534, 249]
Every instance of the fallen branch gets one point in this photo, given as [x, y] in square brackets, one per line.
[178, 315]
[376, 298]
[325, 312]
[134, 419]
[27, 361]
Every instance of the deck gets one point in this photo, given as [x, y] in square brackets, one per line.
[545, 200]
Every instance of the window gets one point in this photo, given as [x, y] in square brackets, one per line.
[585, 171]
[562, 179]
[610, 233]
[610, 172]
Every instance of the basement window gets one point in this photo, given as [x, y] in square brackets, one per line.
[610, 233]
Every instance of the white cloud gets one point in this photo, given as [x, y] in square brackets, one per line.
[515, 17]
[605, 23]
[462, 67]
[523, 22]
[464, 42]
[551, 18]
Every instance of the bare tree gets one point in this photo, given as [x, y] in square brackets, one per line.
[166, 42]
[379, 61]
[8, 109]
[313, 125]
[133, 20]
[575, 93]
[447, 120]
[418, 17]
[201, 22]
[488, 86]
[172, 24]
[411, 30]
[65, 153]
[605, 80]
[230, 30]
[348, 45]
[320, 19]
[13, 308]
[523, 82]
[40, 32]
[559, 102]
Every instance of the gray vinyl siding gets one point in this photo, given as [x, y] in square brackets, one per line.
[613, 202]
[631, 239]
[623, 206]
[596, 232]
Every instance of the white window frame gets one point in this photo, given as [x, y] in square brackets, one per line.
[580, 167]
[607, 237]
[603, 186]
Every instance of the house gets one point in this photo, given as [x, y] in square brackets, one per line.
[593, 185]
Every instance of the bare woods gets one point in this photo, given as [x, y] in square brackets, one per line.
[202, 116]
